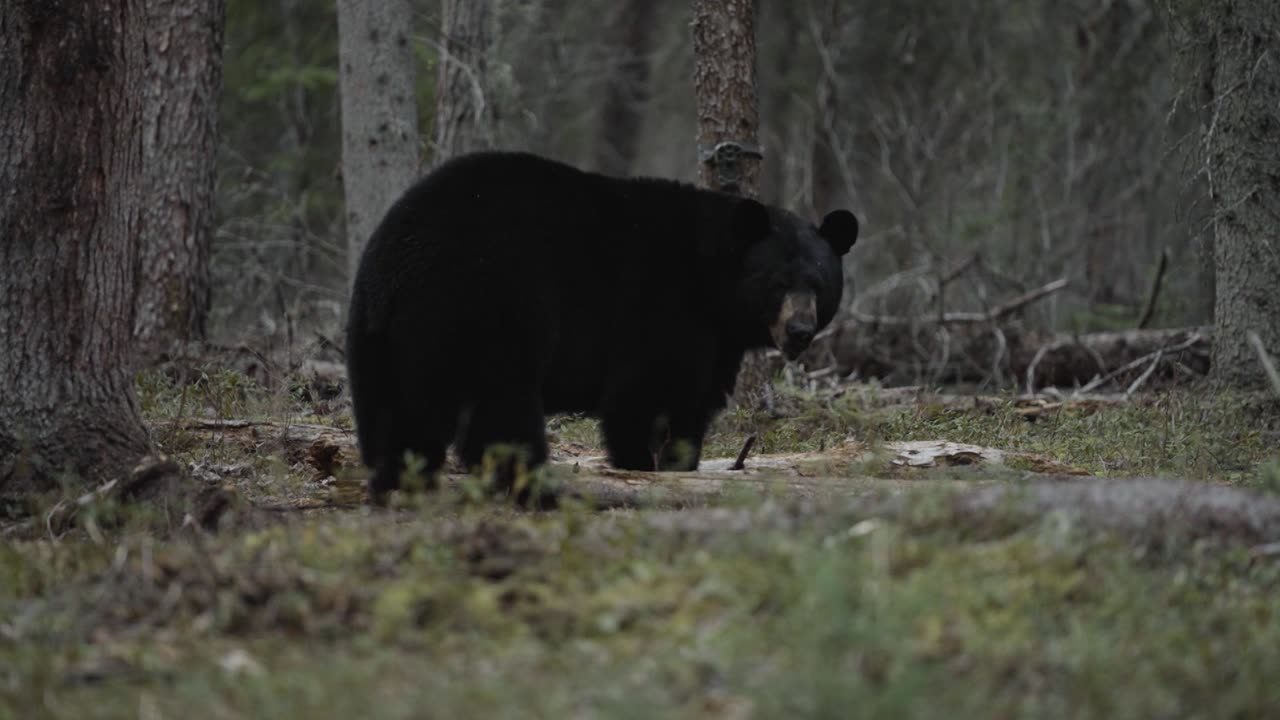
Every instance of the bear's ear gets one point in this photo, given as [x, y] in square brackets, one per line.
[840, 228]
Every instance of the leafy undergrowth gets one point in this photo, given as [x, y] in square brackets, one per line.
[772, 607]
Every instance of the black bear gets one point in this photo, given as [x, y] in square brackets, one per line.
[504, 287]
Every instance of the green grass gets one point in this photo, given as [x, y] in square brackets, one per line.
[764, 608]
[491, 613]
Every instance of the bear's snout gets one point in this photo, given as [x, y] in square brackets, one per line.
[796, 324]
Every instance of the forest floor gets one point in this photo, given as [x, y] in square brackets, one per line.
[1032, 568]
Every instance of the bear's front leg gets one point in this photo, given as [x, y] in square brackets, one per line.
[681, 449]
[629, 437]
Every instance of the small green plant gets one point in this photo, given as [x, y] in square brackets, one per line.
[1269, 476]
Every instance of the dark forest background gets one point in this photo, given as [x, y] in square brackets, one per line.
[1051, 138]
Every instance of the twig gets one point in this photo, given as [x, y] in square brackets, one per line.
[1026, 298]
[950, 274]
[1154, 295]
[1031, 368]
[1267, 363]
[329, 344]
[741, 462]
[1146, 374]
[1093, 384]
[957, 318]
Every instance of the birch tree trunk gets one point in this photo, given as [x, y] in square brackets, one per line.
[464, 111]
[724, 80]
[72, 89]
[1243, 163]
[179, 148]
[379, 113]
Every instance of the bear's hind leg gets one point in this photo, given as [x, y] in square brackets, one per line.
[422, 419]
[424, 433]
[509, 416]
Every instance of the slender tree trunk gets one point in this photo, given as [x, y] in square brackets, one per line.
[179, 148]
[379, 113]
[628, 90]
[1243, 163]
[724, 80]
[464, 108]
[826, 181]
[72, 88]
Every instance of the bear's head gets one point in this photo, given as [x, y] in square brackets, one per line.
[790, 277]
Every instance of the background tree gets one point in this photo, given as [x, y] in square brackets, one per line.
[1035, 136]
[724, 80]
[465, 112]
[379, 113]
[627, 91]
[1234, 49]
[179, 146]
[72, 91]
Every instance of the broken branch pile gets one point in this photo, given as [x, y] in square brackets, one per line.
[925, 343]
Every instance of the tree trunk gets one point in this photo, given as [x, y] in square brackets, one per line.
[179, 149]
[379, 113]
[628, 90]
[464, 111]
[826, 181]
[724, 80]
[1243, 145]
[72, 88]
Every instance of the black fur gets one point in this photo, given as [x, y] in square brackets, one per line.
[504, 287]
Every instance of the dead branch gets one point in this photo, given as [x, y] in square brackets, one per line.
[1154, 295]
[740, 463]
[950, 275]
[1268, 364]
[1142, 379]
[1031, 369]
[899, 354]
[1097, 382]
[957, 318]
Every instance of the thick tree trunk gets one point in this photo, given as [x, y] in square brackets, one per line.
[464, 108]
[72, 88]
[1243, 144]
[379, 113]
[179, 149]
[628, 91]
[724, 80]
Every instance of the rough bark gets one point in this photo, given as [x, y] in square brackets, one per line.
[179, 148]
[628, 90]
[72, 89]
[379, 113]
[1243, 163]
[464, 108]
[724, 80]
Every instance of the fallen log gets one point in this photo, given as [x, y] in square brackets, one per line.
[1005, 356]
